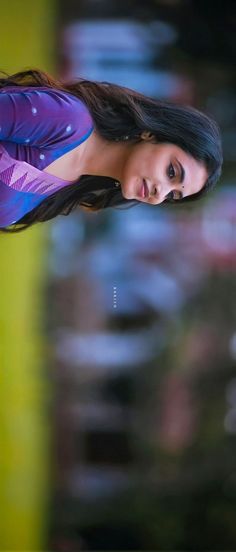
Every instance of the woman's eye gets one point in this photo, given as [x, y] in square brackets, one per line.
[175, 196]
[171, 195]
[171, 171]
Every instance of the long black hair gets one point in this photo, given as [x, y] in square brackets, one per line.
[117, 112]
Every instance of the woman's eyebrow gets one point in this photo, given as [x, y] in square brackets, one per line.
[182, 171]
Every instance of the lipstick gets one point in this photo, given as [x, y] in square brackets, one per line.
[143, 191]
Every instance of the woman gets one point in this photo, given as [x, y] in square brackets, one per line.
[96, 145]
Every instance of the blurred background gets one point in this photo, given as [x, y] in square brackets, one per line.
[118, 329]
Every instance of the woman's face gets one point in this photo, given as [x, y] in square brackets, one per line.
[167, 169]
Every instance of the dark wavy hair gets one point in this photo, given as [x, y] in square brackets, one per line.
[118, 111]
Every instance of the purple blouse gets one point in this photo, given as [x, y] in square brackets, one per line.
[37, 125]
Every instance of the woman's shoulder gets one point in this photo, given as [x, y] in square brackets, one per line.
[52, 99]
[43, 116]
[34, 88]
[37, 90]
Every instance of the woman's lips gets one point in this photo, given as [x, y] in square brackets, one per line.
[143, 191]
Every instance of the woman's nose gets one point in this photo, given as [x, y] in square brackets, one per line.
[158, 192]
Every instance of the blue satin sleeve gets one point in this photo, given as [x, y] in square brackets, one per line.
[42, 116]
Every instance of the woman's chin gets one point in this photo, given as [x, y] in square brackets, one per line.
[127, 195]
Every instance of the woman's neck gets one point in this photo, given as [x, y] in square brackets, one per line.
[99, 157]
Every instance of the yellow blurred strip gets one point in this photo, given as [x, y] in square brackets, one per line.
[27, 31]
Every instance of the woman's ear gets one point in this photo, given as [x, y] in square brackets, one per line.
[146, 135]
